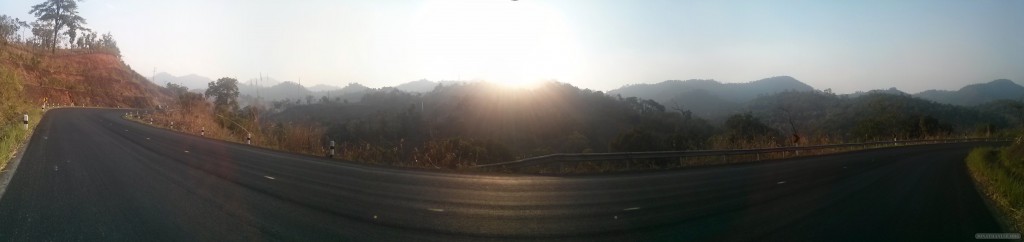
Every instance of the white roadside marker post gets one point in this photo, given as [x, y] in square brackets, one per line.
[202, 132]
[248, 139]
[332, 150]
[25, 120]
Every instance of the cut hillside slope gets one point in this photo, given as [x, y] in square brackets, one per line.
[82, 78]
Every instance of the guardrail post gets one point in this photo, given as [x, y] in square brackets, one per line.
[25, 119]
[332, 150]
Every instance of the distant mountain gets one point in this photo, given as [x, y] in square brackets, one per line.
[284, 90]
[891, 90]
[262, 82]
[708, 98]
[323, 88]
[353, 88]
[975, 94]
[424, 85]
[735, 92]
[192, 81]
[420, 86]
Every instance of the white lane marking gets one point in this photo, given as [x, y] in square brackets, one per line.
[44, 137]
[781, 182]
[616, 217]
[270, 177]
[374, 216]
[186, 151]
[147, 138]
[844, 167]
[55, 168]
[436, 210]
[631, 209]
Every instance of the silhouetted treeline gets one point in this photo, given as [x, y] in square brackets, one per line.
[464, 124]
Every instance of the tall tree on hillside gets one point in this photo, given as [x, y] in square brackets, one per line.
[62, 14]
[224, 93]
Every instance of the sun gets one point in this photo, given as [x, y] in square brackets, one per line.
[516, 43]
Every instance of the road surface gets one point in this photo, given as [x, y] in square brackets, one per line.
[88, 174]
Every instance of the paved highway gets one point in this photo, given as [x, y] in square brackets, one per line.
[87, 174]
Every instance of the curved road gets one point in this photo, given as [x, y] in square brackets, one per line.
[88, 174]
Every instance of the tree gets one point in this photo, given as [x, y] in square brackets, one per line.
[61, 13]
[747, 127]
[636, 140]
[176, 89]
[225, 94]
[107, 42]
[9, 28]
[43, 33]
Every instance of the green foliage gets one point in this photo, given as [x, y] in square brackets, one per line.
[457, 153]
[741, 127]
[225, 94]
[11, 96]
[12, 107]
[1000, 173]
[61, 14]
[9, 28]
[176, 90]
[44, 34]
[635, 140]
[825, 118]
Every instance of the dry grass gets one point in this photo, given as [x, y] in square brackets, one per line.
[999, 173]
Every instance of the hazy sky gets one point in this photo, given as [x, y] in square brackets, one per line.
[843, 45]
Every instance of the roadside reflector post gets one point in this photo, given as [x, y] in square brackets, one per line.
[172, 124]
[202, 131]
[248, 138]
[332, 150]
[25, 120]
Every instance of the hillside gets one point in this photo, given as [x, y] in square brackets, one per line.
[553, 118]
[708, 98]
[975, 94]
[79, 77]
[191, 81]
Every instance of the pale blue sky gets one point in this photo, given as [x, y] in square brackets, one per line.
[597, 44]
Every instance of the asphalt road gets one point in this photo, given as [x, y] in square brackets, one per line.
[90, 175]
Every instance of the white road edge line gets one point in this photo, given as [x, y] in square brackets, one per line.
[270, 177]
[781, 182]
[631, 209]
[436, 210]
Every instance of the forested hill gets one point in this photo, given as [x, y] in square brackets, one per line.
[558, 118]
[708, 98]
[977, 93]
[734, 92]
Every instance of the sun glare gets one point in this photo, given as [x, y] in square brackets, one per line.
[516, 43]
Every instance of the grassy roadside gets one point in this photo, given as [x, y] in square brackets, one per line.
[999, 173]
[13, 135]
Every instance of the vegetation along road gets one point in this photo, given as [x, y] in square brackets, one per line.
[88, 174]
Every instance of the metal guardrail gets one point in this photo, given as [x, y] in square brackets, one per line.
[592, 157]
